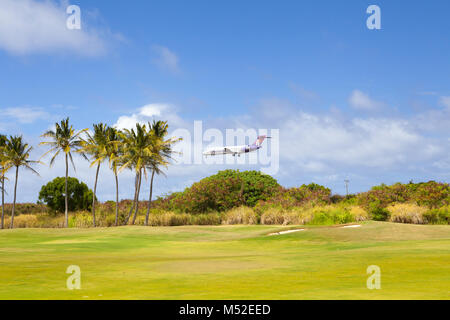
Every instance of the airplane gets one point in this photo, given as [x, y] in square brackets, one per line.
[236, 150]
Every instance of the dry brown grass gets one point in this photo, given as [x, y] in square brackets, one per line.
[407, 213]
[241, 215]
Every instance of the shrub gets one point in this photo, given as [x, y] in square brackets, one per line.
[310, 195]
[223, 191]
[330, 215]
[438, 216]
[379, 213]
[407, 213]
[52, 194]
[431, 194]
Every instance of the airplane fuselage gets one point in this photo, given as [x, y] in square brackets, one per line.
[233, 150]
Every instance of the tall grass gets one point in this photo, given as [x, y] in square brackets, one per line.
[299, 215]
[412, 213]
[407, 213]
[35, 221]
[317, 215]
[240, 215]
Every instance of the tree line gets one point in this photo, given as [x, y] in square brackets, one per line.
[145, 149]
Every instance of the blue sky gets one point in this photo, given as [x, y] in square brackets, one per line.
[369, 105]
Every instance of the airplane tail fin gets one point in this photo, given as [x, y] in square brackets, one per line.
[260, 140]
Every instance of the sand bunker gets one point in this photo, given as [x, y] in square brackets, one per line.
[284, 232]
[352, 226]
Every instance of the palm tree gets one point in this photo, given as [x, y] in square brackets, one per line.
[137, 148]
[162, 151]
[64, 139]
[3, 140]
[114, 149]
[16, 154]
[96, 146]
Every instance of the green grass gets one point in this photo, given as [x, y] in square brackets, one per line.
[227, 262]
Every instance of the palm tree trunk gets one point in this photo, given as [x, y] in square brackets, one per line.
[95, 192]
[149, 198]
[134, 199]
[117, 197]
[66, 196]
[3, 203]
[14, 202]
[137, 198]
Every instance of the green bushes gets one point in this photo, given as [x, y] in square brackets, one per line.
[220, 192]
[311, 194]
[332, 216]
[438, 216]
[378, 213]
[430, 194]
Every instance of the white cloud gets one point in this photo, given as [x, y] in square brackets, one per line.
[445, 101]
[166, 59]
[28, 26]
[25, 115]
[361, 101]
[357, 142]
[323, 142]
[435, 120]
[160, 111]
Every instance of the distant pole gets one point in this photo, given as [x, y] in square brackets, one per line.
[346, 185]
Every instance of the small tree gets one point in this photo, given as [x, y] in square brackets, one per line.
[79, 195]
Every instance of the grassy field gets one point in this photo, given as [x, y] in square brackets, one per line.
[227, 262]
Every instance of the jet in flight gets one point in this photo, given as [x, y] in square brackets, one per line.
[236, 150]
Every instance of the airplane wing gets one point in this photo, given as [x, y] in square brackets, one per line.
[227, 150]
